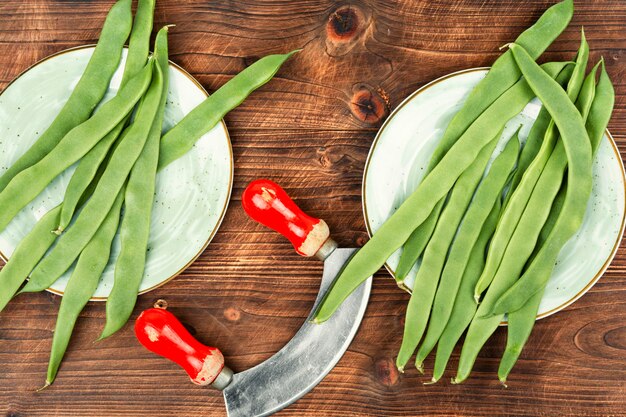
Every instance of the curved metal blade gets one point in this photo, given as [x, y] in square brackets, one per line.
[306, 359]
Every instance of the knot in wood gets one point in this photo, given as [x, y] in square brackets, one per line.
[232, 314]
[368, 106]
[386, 372]
[343, 24]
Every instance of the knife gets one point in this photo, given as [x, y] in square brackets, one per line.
[307, 358]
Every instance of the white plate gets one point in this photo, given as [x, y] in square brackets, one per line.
[191, 194]
[401, 151]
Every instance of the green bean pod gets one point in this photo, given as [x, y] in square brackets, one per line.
[88, 92]
[522, 321]
[464, 306]
[181, 138]
[26, 255]
[567, 222]
[135, 228]
[26, 185]
[416, 243]
[513, 212]
[86, 171]
[72, 242]
[82, 284]
[566, 225]
[489, 191]
[535, 138]
[425, 286]
[30, 251]
[416, 208]
[502, 75]
[576, 141]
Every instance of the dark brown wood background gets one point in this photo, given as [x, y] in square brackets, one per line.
[310, 130]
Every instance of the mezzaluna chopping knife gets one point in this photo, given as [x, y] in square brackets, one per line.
[307, 358]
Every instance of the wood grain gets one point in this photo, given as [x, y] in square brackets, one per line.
[310, 129]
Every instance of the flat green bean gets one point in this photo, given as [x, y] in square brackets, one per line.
[135, 228]
[72, 242]
[26, 185]
[513, 211]
[88, 92]
[82, 284]
[86, 171]
[31, 249]
[416, 243]
[601, 109]
[576, 141]
[26, 255]
[522, 321]
[489, 191]
[502, 75]
[181, 138]
[567, 223]
[394, 232]
[535, 138]
[425, 286]
[464, 306]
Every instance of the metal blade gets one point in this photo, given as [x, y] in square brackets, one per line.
[306, 359]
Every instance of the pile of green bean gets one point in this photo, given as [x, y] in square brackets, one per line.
[488, 241]
[119, 150]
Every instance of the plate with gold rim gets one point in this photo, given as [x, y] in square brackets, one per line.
[401, 151]
[191, 195]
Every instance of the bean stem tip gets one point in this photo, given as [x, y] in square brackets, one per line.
[420, 367]
[46, 385]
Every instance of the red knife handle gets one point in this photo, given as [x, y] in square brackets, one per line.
[267, 203]
[161, 332]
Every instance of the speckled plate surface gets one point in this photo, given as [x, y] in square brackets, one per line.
[192, 193]
[401, 151]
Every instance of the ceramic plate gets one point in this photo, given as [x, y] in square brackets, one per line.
[191, 194]
[400, 153]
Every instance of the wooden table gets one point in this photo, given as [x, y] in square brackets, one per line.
[310, 129]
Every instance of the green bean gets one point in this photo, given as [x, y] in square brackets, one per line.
[567, 222]
[416, 243]
[530, 149]
[181, 138]
[26, 185]
[535, 138]
[88, 92]
[427, 278]
[576, 141]
[30, 251]
[135, 229]
[584, 104]
[601, 109]
[72, 242]
[505, 73]
[26, 255]
[464, 306]
[416, 208]
[138, 50]
[502, 75]
[488, 192]
[82, 284]
[519, 200]
[522, 321]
